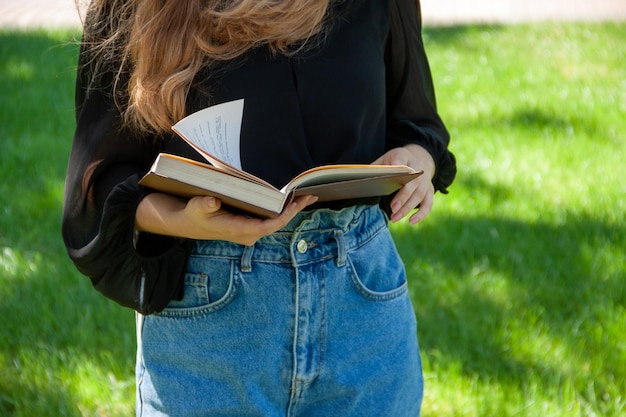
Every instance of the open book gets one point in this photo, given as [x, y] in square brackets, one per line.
[214, 134]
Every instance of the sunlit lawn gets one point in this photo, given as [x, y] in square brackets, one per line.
[518, 276]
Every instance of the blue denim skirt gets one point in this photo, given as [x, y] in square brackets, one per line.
[314, 320]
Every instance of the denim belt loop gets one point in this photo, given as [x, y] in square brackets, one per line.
[341, 247]
[246, 259]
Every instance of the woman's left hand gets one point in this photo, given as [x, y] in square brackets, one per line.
[419, 192]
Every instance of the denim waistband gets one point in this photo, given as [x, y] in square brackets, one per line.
[311, 236]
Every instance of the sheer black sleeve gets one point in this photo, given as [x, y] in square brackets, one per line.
[101, 197]
[412, 109]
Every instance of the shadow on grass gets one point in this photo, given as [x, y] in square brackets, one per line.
[454, 35]
[500, 297]
[539, 124]
[47, 402]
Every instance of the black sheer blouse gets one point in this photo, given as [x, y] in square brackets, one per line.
[364, 89]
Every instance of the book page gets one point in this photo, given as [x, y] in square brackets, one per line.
[215, 132]
[337, 173]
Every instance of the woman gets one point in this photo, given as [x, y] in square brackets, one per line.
[305, 314]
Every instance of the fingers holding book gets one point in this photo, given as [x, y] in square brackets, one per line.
[204, 218]
[216, 223]
[418, 193]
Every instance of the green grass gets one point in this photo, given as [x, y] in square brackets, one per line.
[64, 350]
[518, 276]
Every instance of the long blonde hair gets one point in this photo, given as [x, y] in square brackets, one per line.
[158, 47]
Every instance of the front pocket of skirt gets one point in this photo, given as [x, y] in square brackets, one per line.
[205, 292]
[376, 270]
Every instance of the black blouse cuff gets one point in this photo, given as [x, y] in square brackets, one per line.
[144, 275]
[407, 132]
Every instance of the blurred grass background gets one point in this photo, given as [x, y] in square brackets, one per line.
[517, 277]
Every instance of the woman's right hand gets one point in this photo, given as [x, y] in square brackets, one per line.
[203, 218]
